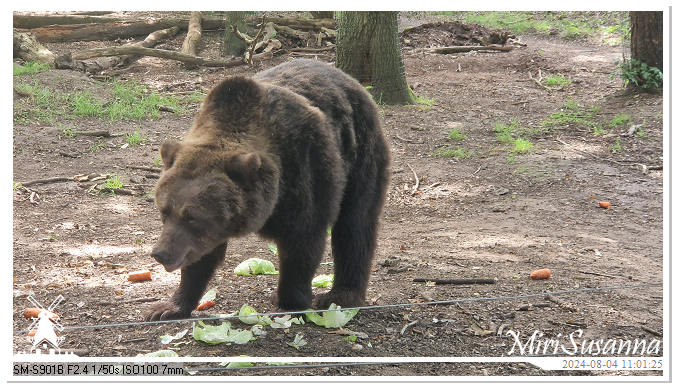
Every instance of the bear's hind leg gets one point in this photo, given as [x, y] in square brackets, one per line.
[354, 238]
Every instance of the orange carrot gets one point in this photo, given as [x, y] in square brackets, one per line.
[32, 332]
[205, 305]
[541, 274]
[604, 204]
[138, 276]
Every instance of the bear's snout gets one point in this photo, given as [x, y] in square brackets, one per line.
[162, 256]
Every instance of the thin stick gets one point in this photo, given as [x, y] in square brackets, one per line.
[407, 140]
[651, 331]
[47, 181]
[405, 327]
[148, 169]
[417, 180]
[105, 133]
[255, 40]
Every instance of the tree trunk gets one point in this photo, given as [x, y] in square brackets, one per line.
[233, 45]
[190, 45]
[369, 49]
[647, 39]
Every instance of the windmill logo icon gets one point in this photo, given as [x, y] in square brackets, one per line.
[45, 325]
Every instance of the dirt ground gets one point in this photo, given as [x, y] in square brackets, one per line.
[491, 213]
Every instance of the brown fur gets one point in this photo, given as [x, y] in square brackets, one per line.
[285, 154]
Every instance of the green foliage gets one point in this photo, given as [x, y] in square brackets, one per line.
[130, 101]
[84, 104]
[68, 132]
[113, 182]
[638, 74]
[522, 145]
[445, 152]
[599, 130]
[423, 100]
[273, 248]
[557, 80]
[572, 114]
[620, 119]
[516, 136]
[29, 68]
[616, 147]
[97, 147]
[158, 161]
[135, 139]
[456, 134]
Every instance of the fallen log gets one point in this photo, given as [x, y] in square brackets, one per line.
[66, 61]
[28, 48]
[465, 49]
[300, 24]
[190, 45]
[167, 54]
[285, 30]
[35, 21]
[113, 30]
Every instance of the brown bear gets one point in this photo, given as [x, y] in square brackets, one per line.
[285, 154]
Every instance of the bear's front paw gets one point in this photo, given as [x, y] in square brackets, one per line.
[344, 298]
[166, 311]
[292, 299]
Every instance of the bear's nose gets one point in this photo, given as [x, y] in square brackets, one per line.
[161, 256]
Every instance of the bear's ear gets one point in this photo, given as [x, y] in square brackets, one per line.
[243, 167]
[168, 152]
[233, 99]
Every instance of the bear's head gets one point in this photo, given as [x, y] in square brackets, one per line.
[206, 196]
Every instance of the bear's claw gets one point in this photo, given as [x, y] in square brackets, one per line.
[166, 311]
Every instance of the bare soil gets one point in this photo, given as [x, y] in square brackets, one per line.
[492, 214]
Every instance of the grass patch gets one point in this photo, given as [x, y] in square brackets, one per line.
[616, 148]
[572, 114]
[46, 105]
[620, 120]
[599, 130]
[29, 68]
[516, 136]
[135, 139]
[522, 146]
[97, 147]
[445, 152]
[130, 101]
[111, 183]
[68, 132]
[605, 26]
[456, 135]
[133, 102]
[423, 100]
[84, 104]
[557, 80]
